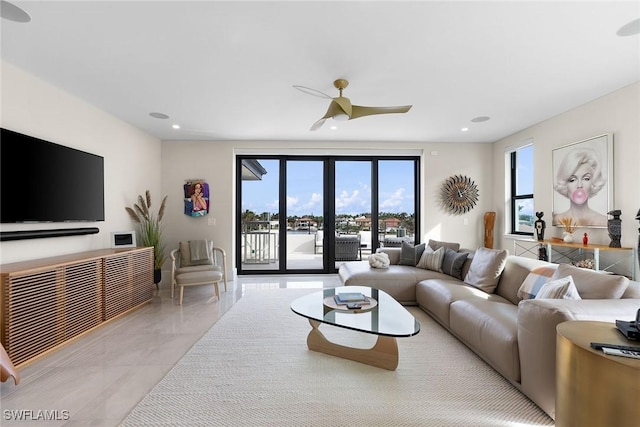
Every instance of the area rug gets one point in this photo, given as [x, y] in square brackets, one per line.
[253, 368]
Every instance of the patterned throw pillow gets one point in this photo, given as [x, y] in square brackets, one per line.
[410, 255]
[534, 282]
[486, 268]
[562, 288]
[453, 262]
[431, 260]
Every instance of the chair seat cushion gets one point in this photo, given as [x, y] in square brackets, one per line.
[196, 268]
[198, 278]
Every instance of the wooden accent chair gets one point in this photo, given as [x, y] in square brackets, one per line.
[198, 262]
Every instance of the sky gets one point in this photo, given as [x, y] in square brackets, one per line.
[353, 188]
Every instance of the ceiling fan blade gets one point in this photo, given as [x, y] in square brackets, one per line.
[317, 125]
[345, 105]
[312, 92]
[360, 111]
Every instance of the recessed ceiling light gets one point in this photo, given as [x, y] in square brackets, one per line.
[175, 126]
[464, 129]
[629, 29]
[11, 12]
[480, 119]
[159, 115]
[333, 127]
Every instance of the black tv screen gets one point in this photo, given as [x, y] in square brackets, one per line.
[45, 182]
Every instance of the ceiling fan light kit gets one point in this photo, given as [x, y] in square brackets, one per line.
[341, 108]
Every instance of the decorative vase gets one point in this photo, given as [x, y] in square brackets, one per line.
[614, 227]
[489, 222]
[568, 237]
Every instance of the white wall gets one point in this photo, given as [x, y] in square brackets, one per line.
[617, 113]
[135, 161]
[131, 158]
[215, 163]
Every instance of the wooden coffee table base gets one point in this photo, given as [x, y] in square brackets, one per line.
[384, 353]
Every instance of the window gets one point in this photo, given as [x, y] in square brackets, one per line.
[522, 207]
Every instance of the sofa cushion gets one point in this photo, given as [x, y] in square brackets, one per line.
[453, 262]
[534, 281]
[399, 281]
[562, 288]
[594, 285]
[435, 244]
[490, 329]
[486, 268]
[436, 295]
[431, 260]
[410, 254]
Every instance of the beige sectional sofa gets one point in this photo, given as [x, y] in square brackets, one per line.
[516, 336]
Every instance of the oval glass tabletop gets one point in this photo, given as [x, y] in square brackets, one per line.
[387, 318]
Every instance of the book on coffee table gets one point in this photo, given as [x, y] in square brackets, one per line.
[347, 297]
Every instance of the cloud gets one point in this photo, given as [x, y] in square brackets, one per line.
[344, 200]
[394, 200]
[291, 202]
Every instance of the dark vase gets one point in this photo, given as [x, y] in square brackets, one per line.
[157, 276]
[614, 226]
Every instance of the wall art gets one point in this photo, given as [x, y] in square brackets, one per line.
[583, 181]
[196, 197]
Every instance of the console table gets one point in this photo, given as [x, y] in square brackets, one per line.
[47, 302]
[618, 260]
[592, 388]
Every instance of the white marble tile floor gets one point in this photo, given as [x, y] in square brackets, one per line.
[97, 379]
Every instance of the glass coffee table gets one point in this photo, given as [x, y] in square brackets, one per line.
[383, 316]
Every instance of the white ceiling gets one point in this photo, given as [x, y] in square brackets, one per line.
[225, 70]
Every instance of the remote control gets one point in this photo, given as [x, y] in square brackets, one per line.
[599, 346]
[624, 353]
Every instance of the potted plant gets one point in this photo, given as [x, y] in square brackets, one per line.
[150, 230]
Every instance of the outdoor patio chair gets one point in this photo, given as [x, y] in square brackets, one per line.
[348, 248]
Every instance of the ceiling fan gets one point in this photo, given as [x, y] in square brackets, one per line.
[341, 108]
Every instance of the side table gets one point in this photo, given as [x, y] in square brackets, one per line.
[594, 389]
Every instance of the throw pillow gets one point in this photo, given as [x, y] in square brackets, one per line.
[486, 268]
[534, 281]
[453, 262]
[435, 244]
[431, 260]
[562, 288]
[379, 260]
[410, 255]
[592, 284]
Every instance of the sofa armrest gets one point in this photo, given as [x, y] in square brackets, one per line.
[537, 322]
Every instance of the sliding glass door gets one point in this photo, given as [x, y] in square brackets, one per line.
[305, 215]
[310, 214]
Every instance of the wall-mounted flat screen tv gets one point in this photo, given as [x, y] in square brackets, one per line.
[45, 182]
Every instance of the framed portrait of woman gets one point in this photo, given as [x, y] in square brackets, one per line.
[196, 198]
[583, 181]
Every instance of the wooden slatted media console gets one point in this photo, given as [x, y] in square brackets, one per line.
[45, 303]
